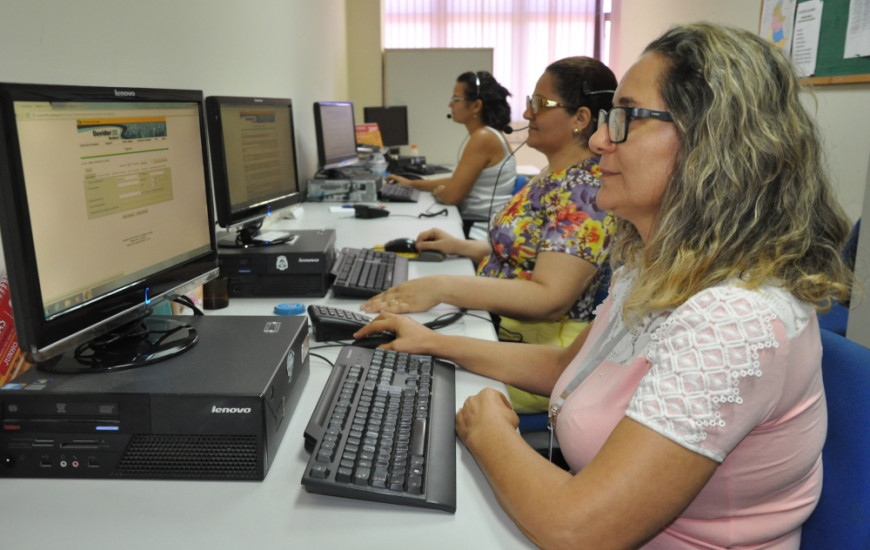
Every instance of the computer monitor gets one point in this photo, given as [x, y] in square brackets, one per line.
[393, 123]
[105, 212]
[254, 169]
[336, 136]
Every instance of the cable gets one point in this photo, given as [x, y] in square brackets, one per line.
[446, 319]
[427, 214]
[322, 358]
[516, 337]
[185, 300]
[492, 198]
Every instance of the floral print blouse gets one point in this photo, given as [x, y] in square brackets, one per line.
[555, 212]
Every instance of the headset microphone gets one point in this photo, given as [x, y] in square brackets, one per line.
[509, 129]
[449, 116]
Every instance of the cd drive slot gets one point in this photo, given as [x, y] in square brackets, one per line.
[60, 425]
[81, 444]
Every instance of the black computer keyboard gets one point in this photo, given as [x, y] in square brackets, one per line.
[425, 169]
[398, 193]
[383, 430]
[363, 272]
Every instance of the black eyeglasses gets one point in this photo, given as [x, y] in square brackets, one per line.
[618, 119]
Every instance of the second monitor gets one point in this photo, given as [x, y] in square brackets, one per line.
[254, 168]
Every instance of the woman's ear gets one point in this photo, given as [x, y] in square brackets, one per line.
[477, 107]
[582, 118]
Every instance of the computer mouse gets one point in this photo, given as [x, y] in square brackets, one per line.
[374, 340]
[430, 256]
[401, 245]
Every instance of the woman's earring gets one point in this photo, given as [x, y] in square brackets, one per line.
[575, 131]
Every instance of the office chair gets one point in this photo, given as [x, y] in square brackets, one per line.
[842, 518]
[836, 319]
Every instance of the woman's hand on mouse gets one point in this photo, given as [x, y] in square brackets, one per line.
[411, 336]
[437, 239]
[411, 296]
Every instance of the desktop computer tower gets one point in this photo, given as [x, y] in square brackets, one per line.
[298, 268]
[215, 412]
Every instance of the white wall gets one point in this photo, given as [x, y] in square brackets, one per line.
[842, 111]
[279, 48]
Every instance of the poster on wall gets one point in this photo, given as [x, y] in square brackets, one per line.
[858, 30]
[777, 23]
[807, 27]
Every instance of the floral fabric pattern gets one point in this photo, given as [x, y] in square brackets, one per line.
[556, 212]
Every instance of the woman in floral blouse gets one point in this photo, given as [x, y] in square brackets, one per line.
[539, 270]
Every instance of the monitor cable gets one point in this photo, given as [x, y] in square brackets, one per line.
[186, 301]
[507, 130]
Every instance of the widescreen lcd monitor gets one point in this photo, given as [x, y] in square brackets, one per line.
[335, 131]
[254, 169]
[105, 212]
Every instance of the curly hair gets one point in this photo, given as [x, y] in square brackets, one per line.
[749, 197]
[583, 82]
[481, 85]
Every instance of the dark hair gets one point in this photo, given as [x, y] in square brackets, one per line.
[579, 81]
[483, 86]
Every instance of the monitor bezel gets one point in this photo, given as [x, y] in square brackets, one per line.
[338, 162]
[44, 338]
[227, 216]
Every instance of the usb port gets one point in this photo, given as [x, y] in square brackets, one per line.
[43, 443]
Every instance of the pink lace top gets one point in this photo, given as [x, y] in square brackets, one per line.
[732, 374]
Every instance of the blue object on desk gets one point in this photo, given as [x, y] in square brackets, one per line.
[291, 308]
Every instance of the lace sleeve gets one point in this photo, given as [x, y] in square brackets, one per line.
[706, 361]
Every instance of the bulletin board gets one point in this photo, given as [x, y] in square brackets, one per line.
[831, 68]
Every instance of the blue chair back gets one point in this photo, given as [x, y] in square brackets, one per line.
[842, 518]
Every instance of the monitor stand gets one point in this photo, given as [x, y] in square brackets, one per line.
[137, 344]
[249, 237]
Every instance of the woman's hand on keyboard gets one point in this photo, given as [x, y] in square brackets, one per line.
[411, 296]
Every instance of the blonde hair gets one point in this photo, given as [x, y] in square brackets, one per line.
[749, 197]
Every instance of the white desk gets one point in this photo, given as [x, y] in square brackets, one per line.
[277, 512]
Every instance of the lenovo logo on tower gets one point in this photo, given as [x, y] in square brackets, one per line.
[230, 410]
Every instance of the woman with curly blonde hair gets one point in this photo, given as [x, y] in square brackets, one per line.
[692, 412]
